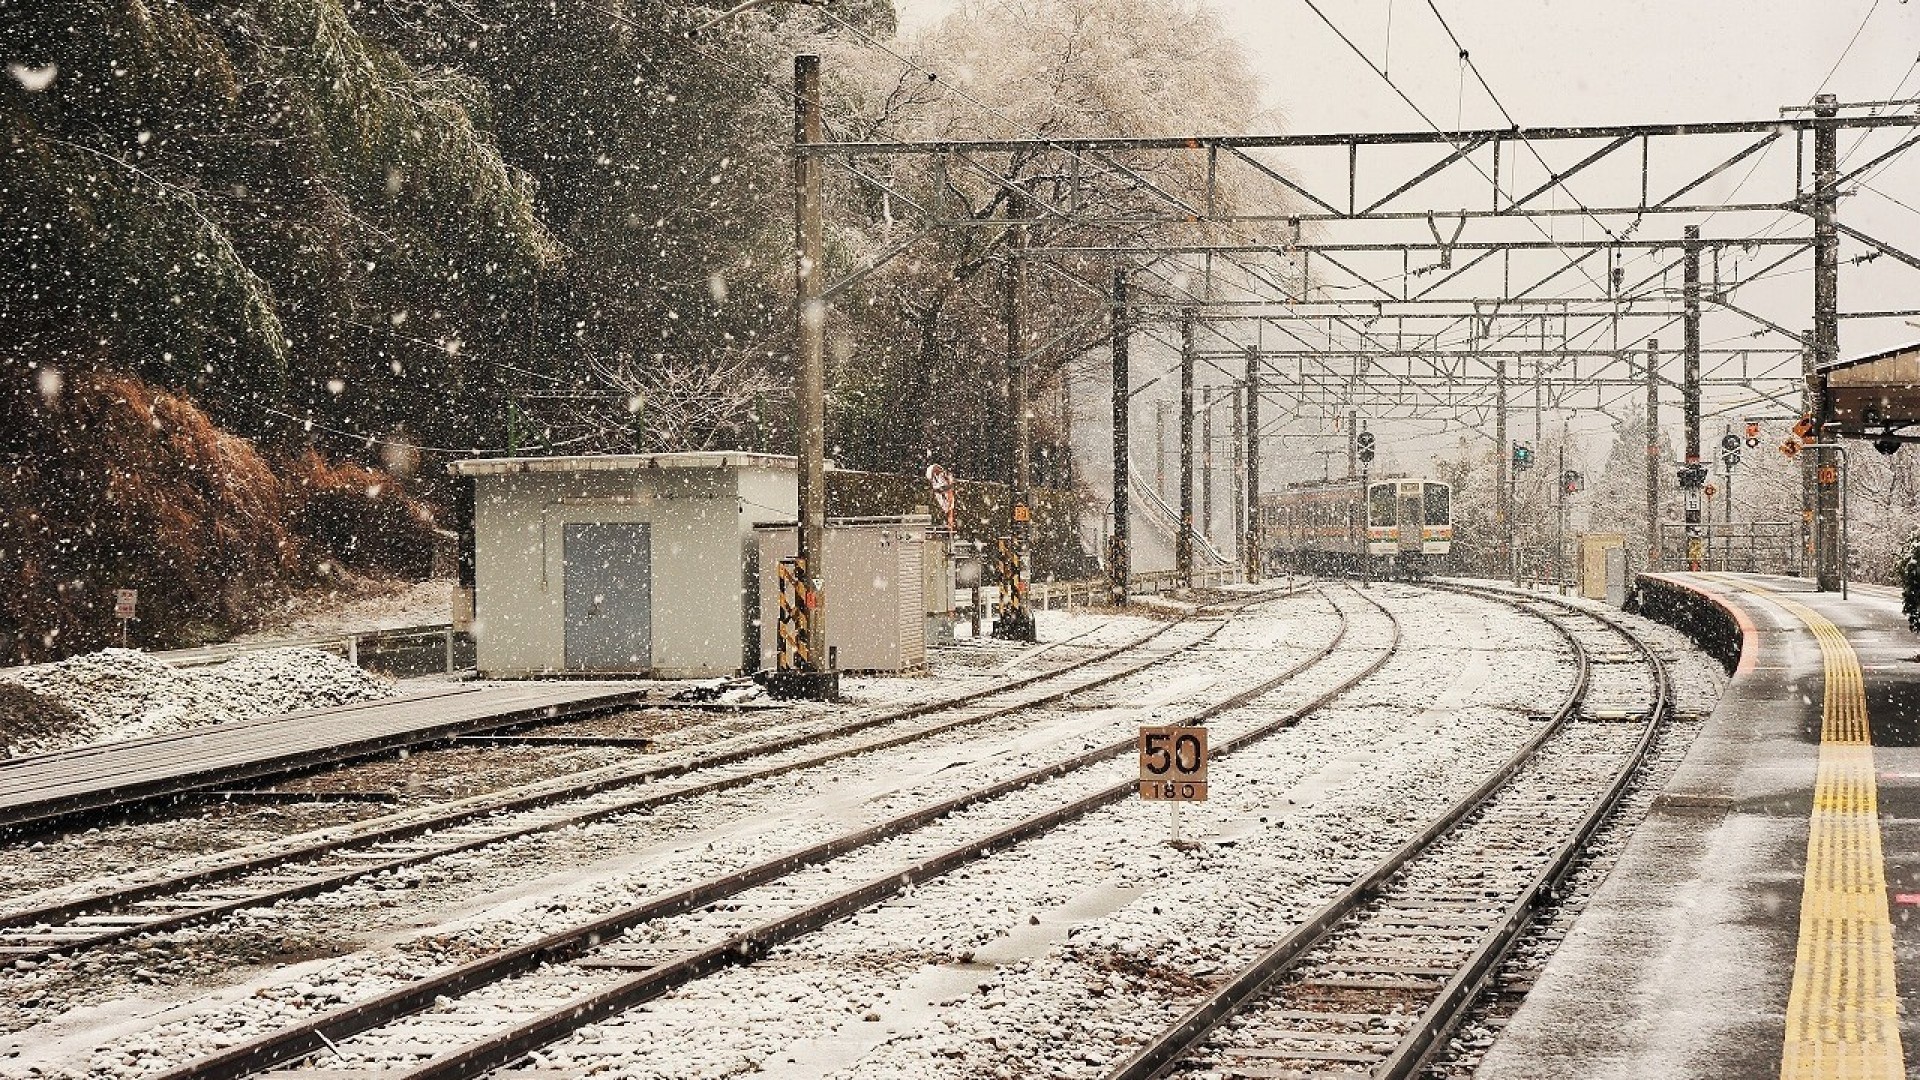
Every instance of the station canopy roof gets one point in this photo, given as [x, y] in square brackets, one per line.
[1878, 396]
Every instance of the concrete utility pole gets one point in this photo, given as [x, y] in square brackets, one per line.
[1809, 498]
[1183, 544]
[1160, 449]
[1690, 385]
[1118, 557]
[1238, 466]
[813, 676]
[1653, 454]
[1206, 463]
[1826, 341]
[1539, 398]
[1729, 457]
[1560, 519]
[1502, 459]
[1251, 538]
[1015, 620]
[1020, 483]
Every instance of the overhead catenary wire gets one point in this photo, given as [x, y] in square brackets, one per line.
[950, 87]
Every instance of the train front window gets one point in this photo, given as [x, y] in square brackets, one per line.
[1380, 508]
[1439, 504]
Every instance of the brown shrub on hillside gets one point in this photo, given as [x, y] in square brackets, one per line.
[361, 516]
[107, 483]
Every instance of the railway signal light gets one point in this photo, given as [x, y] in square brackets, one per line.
[1753, 434]
[1570, 481]
[1366, 445]
[1522, 457]
[1692, 474]
[1730, 443]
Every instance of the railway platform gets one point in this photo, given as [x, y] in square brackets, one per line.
[38, 789]
[1761, 922]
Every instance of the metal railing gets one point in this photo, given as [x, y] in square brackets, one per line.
[355, 646]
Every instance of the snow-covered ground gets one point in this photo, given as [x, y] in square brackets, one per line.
[127, 694]
[420, 604]
[1034, 962]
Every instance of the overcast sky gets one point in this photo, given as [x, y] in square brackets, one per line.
[1558, 62]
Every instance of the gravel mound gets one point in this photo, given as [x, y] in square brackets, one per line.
[26, 715]
[126, 694]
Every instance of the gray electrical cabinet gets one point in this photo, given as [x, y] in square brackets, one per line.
[875, 592]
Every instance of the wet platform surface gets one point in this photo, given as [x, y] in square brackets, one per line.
[1724, 943]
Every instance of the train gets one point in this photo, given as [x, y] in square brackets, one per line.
[1316, 528]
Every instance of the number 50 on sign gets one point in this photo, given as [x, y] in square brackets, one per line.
[1173, 763]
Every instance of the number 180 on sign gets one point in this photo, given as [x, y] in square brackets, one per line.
[1173, 763]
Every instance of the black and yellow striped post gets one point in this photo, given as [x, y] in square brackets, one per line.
[1014, 620]
[797, 672]
[792, 629]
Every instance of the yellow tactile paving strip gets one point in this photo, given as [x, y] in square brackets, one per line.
[1843, 1011]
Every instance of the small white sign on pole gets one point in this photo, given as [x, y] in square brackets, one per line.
[124, 603]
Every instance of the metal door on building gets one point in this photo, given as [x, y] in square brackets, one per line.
[608, 574]
[1413, 516]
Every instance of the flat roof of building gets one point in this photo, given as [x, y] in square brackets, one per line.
[579, 463]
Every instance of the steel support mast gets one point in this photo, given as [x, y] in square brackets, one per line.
[1251, 540]
[1118, 556]
[1690, 388]
[1653, 454]
[1183, 543]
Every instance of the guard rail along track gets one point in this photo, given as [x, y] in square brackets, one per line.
[545, 975]
[211, 892]
[1371, 983]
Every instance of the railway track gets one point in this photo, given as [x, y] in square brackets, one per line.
[1372, 983]
[507, 1003]
[341, 857]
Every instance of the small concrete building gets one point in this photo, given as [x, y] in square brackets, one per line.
[632, 564]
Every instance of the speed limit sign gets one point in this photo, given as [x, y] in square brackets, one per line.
[1173, 764]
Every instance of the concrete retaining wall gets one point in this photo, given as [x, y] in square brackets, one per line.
[1694, 613]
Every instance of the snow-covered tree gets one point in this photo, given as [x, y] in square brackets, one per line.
[928, 375]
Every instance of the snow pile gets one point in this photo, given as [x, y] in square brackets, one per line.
[127, 694]
[288, 680]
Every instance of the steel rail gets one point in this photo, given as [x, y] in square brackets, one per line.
[48, 917]
[1187, 1034]
[324, 1031]
[1461, 991]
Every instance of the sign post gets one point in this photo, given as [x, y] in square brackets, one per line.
[124, 603]
[942, 483]
[1173, 767]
